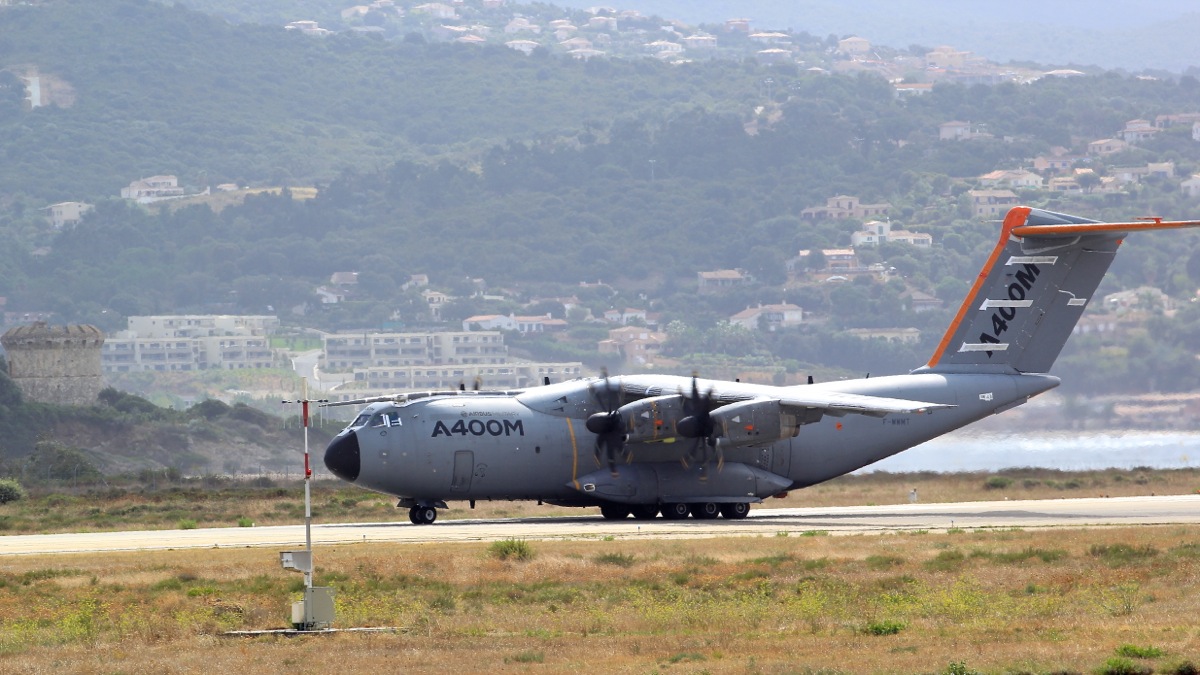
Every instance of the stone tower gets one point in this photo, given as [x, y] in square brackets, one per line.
[55, 364]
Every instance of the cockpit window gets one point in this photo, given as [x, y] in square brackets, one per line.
[386, 419]
[359, 421]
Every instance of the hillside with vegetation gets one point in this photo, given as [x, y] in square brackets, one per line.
[126, 434]
[536, 173]
[168, 90]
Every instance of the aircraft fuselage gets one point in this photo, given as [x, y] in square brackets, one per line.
[534, 445]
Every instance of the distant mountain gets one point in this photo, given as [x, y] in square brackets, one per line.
[1111, 35]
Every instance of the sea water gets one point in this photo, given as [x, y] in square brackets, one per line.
[1065, 450]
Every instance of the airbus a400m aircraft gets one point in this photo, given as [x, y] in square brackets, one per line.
[650, 445]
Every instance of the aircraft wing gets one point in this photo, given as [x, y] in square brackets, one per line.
[839, 404]
[805, 404]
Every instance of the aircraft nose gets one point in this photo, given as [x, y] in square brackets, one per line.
[342, 457]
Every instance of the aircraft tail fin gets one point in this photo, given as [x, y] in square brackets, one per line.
[1032, 291]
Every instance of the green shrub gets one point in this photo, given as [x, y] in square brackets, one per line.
[517, 549]
[10, 490]
[884, 627]
[617, 559]
[1045, 555]
[1122, 554]
[527, 657]
[997, 483]
[187, 524]
[946, 561]
[245, 522]
[1136, 652]
[1186, 550]
[1122, 666]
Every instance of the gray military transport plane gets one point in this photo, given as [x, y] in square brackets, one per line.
[650, 445]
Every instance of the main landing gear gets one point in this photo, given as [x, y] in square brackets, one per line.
[676, 511]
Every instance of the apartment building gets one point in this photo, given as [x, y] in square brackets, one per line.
[349, 352]
[182, 343]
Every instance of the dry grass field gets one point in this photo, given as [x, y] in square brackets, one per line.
[1106, 599]
[1039, 601]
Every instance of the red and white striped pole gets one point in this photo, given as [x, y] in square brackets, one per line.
[304, 402]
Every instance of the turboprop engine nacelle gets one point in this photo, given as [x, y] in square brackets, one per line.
[653, 419]
[756, 422]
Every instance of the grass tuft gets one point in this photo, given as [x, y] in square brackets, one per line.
[1116, 555]
[515, 549]
[615, 559]
[1122, 666]
[1136, 652]
[883, 562]
[883, 627]
[773, 560]
[946, 561]
[1024, 555]
[527, 657]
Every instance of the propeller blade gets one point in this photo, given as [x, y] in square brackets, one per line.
[608, 426]
[697, 424]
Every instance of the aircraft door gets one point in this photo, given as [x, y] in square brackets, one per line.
[464, 467]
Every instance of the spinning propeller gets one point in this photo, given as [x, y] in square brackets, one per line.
[608, 425]
[697, 424]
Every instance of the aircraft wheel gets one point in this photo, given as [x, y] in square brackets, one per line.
[675, 511]
[644, 511]
[422, 515]
[735, 510]
[705, 510]
[614, 512]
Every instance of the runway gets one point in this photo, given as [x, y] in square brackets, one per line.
[1060, 513]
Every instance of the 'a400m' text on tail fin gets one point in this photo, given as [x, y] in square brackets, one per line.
[1032, 291]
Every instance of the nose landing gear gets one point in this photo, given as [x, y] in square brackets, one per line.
[422, 515]
[422, 512]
